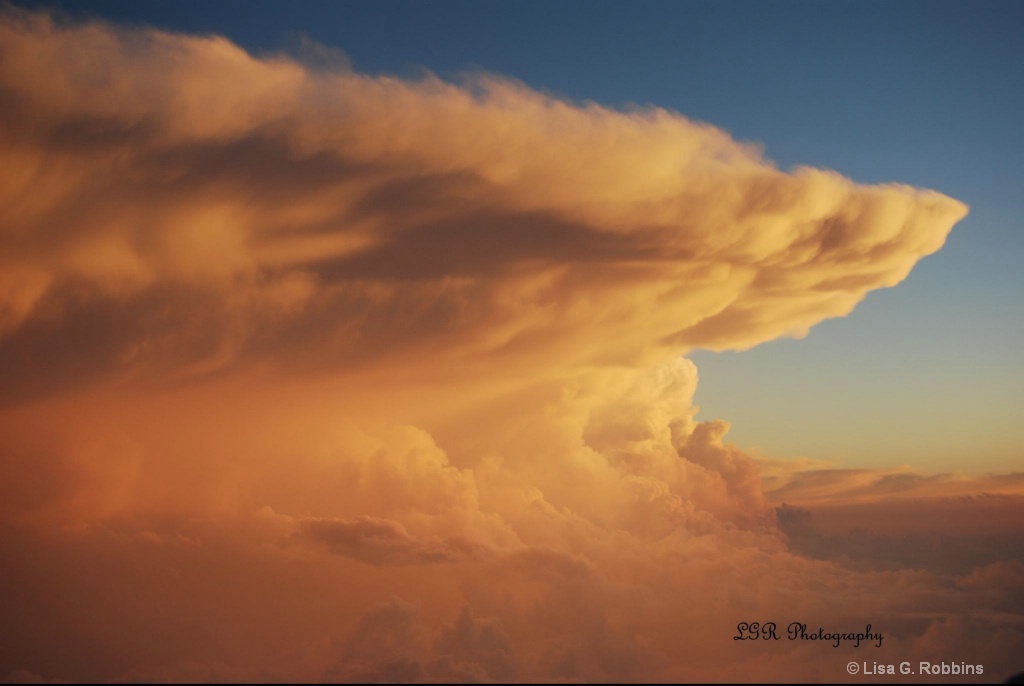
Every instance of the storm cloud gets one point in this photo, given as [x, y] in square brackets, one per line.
[307, 374]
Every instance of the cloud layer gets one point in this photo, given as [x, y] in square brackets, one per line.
[312, 375]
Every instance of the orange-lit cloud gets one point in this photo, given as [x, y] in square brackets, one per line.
[307, 374]
[173, 202]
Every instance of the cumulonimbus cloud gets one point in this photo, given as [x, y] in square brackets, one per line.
[173, 202]
[319, 375]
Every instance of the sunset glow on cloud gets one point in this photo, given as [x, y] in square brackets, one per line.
[308, 374]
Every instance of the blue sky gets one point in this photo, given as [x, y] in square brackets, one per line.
[930, 373]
